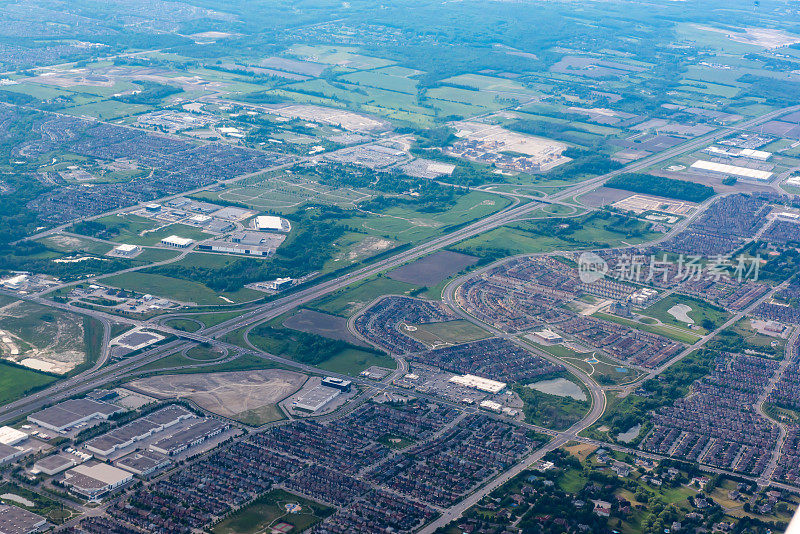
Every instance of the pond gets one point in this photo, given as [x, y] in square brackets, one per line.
[560, 387]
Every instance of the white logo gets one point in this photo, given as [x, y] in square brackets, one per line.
[591, 267]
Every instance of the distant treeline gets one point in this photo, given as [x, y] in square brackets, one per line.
[661, 186]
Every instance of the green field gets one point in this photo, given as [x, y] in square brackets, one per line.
[16, 382]
[552, 411]
[180, 290]
[352, 362]
[351, 299]
[268, 510]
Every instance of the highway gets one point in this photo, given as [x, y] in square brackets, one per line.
[102, 373]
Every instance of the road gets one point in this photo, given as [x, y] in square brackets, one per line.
[98, 375]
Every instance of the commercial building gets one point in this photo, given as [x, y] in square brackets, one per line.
[547, 336]
[15, 520]
[316, 398]
[271, 222]
[236, 248]
[479, 383]
[337, 383]
[722, 168]
[94, 481]
[11, 436]
[177, 241]
[70, 413]
[491, 406]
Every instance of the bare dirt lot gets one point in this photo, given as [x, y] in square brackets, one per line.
[330, 326]
[431, 270]
[249, 396]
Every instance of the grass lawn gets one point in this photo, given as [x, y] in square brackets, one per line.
[605, 372]
[187, 325]
[16, 382]
[260, 416]
[447, 333]
[684, 336]
[353, 361]
[351, 299]
[180, 290]
[269, 510]
[701, 312]
[203, 353]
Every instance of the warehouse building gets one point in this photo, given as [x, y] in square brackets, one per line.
[70, 413]
[732, 170]
[143, 463]
[126, 251]
[177, 241]
[316, 398]
[15, 520]
[92, 482]
[54, 464]
[271, 222]
[8, 453]
[189, 437]
[11, 436]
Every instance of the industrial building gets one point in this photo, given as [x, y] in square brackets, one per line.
[749, 153]
[70, 413]
[272, 222]
[142, 428]
[316, 398]
[11, 436]
[177, 241]
[15, 520]
[9, 454]
[479, 383]
[54, 464]
[143, 463]
[722, 168]
[126, 251]
[189, 437]
[94, 481]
